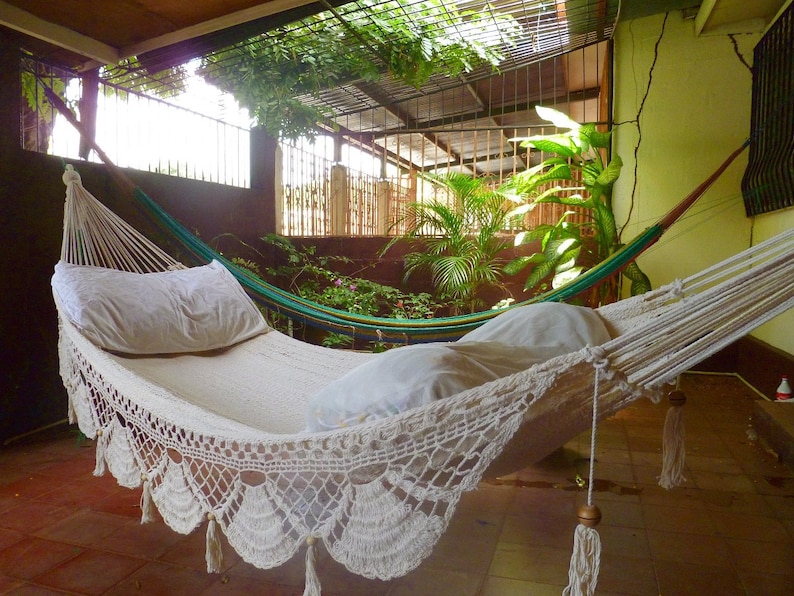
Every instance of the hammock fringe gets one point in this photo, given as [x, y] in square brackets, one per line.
[214, 551]
[312, 587]
[101, 448]
[147, 504]
[585, 562]
[673, 448]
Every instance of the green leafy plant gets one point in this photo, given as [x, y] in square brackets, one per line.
[458, 243]
[310, 276]
[278, 75]
[578, 177]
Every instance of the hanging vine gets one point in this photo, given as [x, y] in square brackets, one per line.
[279, 76]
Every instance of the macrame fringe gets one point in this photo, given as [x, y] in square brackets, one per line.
[312, 580]
[147, 505]
[101, 447]
[673, 450]
[585, 562]
[70, 413]
[214, 552]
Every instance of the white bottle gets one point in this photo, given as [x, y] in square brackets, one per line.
[784, 389]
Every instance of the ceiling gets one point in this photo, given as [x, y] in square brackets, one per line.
[76, 34]
[132, 27]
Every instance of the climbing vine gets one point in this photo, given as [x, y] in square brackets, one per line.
[279, 76]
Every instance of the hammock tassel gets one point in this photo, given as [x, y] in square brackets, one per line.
[312, 580]
[70, 413]
[147, 505]
[101, 448]
[586, 557]
[673, 451]
[214, 552]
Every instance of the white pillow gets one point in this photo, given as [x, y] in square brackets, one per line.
[187, 310]
[563, 326]
[411, 376]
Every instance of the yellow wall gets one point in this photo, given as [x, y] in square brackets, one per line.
[697, 111]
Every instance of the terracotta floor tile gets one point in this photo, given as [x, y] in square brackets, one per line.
[9, 584]
[625, 542]
[85, 528]
[133, 538]
[190, 551]
[9, 537]
[76, 493]
[541, 564]
[711, 551]
[30, 516]
[541, 530]
[440, 582]
[28, 589]
[627, 575]
[709, 480]
[684, 579]
[234, 586]
[503, 586]
[619, 513]
[677, 519]
[738, 502]
[767, 584]
[124, 502]
[31, 557]
[729, 528]
[749, 527]
[487, 499]
[91, 572]
[159, 579]
[767, 557]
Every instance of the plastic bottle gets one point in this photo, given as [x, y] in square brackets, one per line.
[784, 389]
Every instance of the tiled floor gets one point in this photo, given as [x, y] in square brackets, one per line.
[729, 530]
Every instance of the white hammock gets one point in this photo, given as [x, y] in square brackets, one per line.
[219, 438]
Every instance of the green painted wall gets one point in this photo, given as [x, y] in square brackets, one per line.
[682, 104]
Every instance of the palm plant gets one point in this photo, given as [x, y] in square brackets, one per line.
[577, 177]
[458, 243]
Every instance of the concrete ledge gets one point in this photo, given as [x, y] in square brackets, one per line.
[774, 423]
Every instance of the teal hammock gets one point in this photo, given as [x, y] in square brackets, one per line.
[417, 330]
[381, 328]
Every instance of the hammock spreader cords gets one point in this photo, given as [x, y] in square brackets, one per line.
[586, 556]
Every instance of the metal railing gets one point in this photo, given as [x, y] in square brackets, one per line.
[135, 130]
[324, 191]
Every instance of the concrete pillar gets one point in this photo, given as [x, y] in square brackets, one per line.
[383, 207]
[339, 206]
[265, 176]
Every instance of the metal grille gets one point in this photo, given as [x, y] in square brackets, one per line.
[768, 182]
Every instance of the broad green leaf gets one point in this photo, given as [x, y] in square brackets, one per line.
[571, 201]
[521, 210]
[611, 172]
[565, 277]
[538, 274]
[600, 139]
[518, 264]
[590, 173]
[564, 146]
[558, 119]
[639, 281]
[536, 233]
[605, 221]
